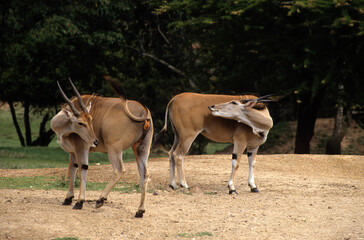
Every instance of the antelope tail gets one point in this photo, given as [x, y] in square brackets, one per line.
[119, 90]
[164, 129]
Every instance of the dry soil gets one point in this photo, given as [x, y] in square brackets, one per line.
[301, 197]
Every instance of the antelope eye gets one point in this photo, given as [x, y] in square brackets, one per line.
[82, 124]
[234, 103]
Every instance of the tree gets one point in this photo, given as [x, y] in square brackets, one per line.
[46, 41]
[303, 48]
[299, 49]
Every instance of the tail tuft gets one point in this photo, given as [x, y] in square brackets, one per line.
[116, 86]
[160, 135]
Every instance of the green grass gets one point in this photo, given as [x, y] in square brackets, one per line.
[46, 157]
[66, 238]
[193, 235]
[14, 156]
[59, 183]
[8, 135]
[213, 147]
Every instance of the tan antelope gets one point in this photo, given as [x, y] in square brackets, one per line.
[107, 125]
[220, 118]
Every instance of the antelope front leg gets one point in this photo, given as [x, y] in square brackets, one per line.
[72, 168]
[235, 165]
[252, 153]
[82, 158]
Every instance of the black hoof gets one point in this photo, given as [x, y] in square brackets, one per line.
[68, 201]
[233, 192]
[100, 202]
[78, 205]
[254, 190]
[139, 213]
[172, 187]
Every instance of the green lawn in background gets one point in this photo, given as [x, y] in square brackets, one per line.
[14, 156]
[44, 157]
[60, 183]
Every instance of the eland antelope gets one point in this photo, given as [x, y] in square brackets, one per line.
[107, 125]
[243, 120]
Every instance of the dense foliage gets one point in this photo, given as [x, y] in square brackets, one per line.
[301, 50]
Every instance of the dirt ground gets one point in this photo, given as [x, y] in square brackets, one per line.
[301, 197]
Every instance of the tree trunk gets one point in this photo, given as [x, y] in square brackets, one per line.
[45, 137]
[307, 115]
[28, 131]
[333, 145]
[15, 122]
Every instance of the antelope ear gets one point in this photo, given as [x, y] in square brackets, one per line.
[250, 104]
[69, 114]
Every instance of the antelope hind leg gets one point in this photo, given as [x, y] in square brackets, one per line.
[252, 153]
[118, 171]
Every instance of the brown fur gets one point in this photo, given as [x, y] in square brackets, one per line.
[118, 124]
[189, 115]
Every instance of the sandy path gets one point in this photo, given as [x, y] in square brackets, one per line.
[302, 197]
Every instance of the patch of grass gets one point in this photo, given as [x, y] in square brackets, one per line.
[14, 156]
[36, 182]
[59, 183]
[210, 193]
[42, 157]
[8, 136]
[192, 235]
[49, 157]
[66, 238]
[201, 234]
[213, 147]
[126, 187]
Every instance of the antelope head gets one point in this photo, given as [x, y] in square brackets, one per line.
[234, 109]
[246, 111]
[231, 110]
[77, 122]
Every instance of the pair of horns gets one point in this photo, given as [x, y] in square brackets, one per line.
[260, 99]
[68, 101]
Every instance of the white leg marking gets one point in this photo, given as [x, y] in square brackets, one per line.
[82, 159]
[251, 157]
[83, 184]
[182, 181]
[172, 170]
[231, 180]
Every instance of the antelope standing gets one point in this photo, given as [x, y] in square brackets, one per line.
[107, 125]
[192, 114]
